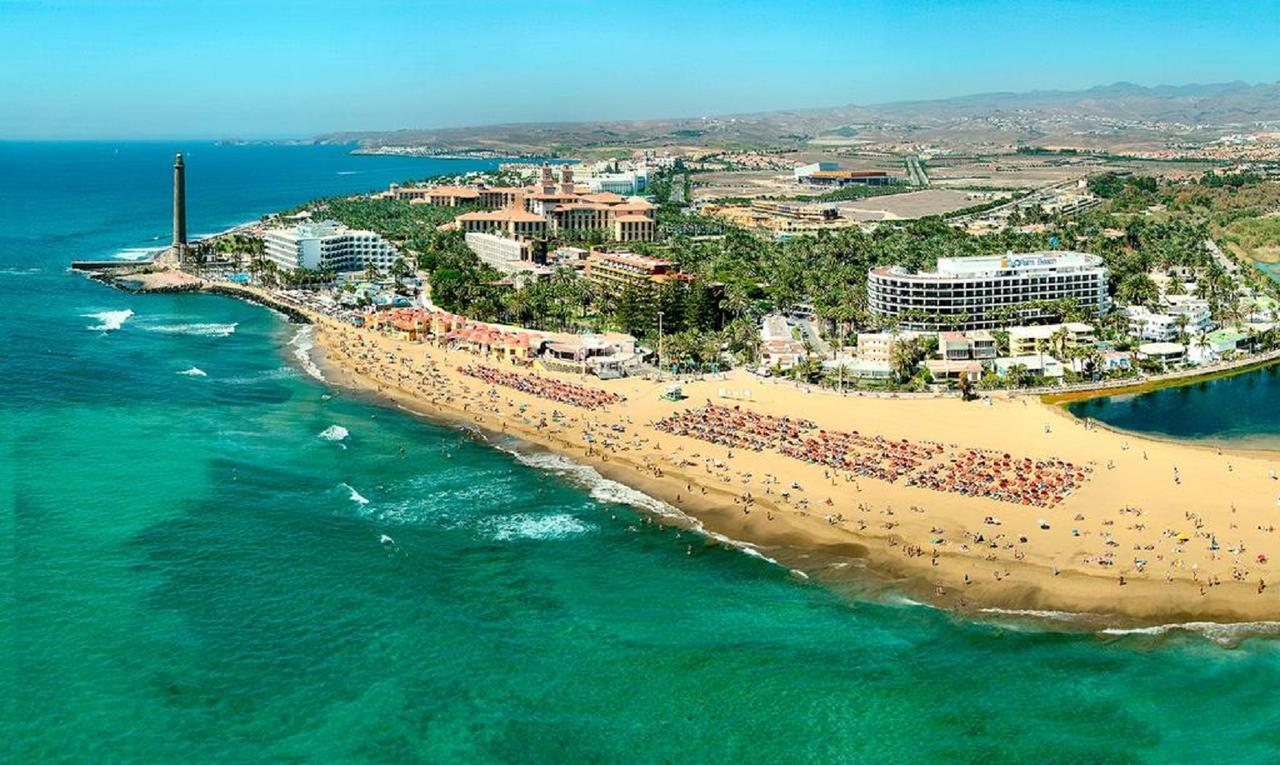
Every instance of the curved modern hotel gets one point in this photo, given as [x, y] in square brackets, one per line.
[972, 289]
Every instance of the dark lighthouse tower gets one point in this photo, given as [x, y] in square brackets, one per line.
[180, 208]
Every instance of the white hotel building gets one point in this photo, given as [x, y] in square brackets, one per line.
[969, 291]
[504, 254]
[328, 245]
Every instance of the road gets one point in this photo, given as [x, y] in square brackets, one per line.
[1224, 260]
[916, 173]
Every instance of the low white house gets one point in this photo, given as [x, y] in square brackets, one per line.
[1168, 354]
[1165, 326]
[1037, 364]
[778, 344]
[860, 369]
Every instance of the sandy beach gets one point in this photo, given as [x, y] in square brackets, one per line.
[1082, 519]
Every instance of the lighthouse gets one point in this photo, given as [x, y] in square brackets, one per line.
[180, 208]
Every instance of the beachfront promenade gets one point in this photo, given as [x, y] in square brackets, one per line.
[1065, 391]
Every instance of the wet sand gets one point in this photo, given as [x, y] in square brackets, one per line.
[1158, 532]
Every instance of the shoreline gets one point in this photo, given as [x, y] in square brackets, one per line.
[1176, 379]
[905, 541]
[805, 541]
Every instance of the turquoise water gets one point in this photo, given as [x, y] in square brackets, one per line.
[190, 571]
[1243, 410]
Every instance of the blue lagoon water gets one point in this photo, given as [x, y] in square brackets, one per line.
[207, 554]
[1243, 410]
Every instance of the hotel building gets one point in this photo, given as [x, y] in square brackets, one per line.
[554, 203]
[1024, 341]
[328, 246]
[968, 293]
[614, 271]
[514, 221]
[879, 346]
[509, 256]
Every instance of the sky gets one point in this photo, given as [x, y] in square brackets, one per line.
[119, 69]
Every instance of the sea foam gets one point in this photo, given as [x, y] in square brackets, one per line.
[279, 373]
[197, 329]
[355, 496]
[193, 372]
[526, 526]
[108, 321]
[606, 490]
[334, 433]
[1222, 634]
[302, 343]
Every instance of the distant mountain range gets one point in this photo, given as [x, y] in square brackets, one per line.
[1104, 116]
[1213, 104]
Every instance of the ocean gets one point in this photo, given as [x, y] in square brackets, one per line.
[211, 554]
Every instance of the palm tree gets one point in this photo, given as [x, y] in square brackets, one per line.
[1059, 339]
[1183, 336]
[400, 269]
[1138, 289]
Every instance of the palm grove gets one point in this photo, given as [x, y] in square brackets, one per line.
[740, 276]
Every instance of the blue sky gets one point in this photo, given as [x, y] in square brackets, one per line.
[125, 69]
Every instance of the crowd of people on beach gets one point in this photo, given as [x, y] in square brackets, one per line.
[999, 475]
[736, 428]
[973, 472]
[871, 456]
[847, 457]
[867, 456]
[544, 387]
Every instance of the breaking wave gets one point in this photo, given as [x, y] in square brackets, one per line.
[1032, 613]
[524, 526]
[334, 433]
[303, 341]
[198, 329]
[108, 321]
[355, 496]
[1220, 633]
[606, 490]
[193, 372]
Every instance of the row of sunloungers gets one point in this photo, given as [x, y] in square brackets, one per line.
[544, 387]
[971, 472]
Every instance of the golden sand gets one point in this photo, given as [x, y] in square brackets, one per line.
[1189, 532]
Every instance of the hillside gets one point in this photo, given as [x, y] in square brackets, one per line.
[1103, 117]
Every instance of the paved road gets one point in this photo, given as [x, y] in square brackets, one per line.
[1229, 265]
[916, 173]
